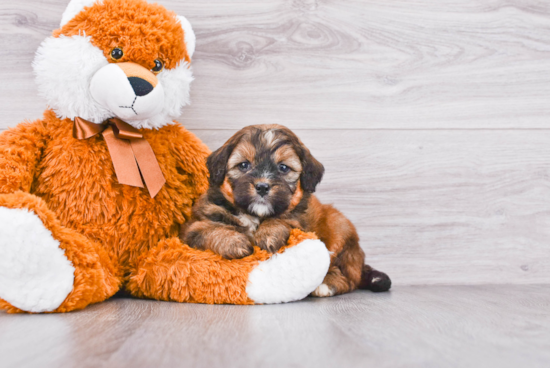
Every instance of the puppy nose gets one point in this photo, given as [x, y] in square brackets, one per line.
[140, 86]
[262, 188]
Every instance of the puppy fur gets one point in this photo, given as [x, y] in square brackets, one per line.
[261, 185]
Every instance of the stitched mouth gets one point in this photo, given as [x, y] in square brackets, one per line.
[132, 106]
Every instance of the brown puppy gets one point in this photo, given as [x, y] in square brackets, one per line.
[261, 185]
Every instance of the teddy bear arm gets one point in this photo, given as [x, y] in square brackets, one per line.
[173, 271]
[20, 153]
[190, 154]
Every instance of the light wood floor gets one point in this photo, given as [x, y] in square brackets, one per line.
[411, 326]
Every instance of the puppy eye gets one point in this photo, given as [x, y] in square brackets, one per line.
[283, 168]
[116, 53]
[244, 166]
[158, 66]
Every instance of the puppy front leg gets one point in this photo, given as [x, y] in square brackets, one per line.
[222, 239]
[272, 234]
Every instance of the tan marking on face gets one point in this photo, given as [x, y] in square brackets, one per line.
[227, 191]
[244, 151]
[286, 155]
[292, 176]
[296, 197]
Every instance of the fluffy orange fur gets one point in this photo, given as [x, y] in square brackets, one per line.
[196, 276]
[116, 235]
[95, 279]
[75, 184]
[150, 31]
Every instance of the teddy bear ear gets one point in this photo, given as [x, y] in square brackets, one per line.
[74, 7]
[189, 35]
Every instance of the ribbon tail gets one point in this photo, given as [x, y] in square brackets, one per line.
[148, 165]
[84, 129]
[124, 162]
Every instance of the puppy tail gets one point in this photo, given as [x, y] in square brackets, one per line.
[374, 280]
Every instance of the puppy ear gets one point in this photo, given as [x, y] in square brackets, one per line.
[312, 171]
[217, 161]
[217, 164]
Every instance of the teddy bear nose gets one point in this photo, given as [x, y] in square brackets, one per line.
[140, 86]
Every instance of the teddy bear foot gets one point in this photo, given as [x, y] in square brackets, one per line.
[35, 274]
[291, 275]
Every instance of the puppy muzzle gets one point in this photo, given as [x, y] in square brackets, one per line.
[128, 90]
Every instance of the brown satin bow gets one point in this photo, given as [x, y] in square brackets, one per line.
[128, 150]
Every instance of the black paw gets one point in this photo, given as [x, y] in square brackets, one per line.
[375, 281]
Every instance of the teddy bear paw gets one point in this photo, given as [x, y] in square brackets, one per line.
[291, 275]
[35, 274]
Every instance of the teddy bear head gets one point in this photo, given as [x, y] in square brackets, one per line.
[117, 58]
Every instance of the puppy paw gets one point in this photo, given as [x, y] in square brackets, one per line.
[236, 246]
[271, 237]
[323, 291]
[224, 241]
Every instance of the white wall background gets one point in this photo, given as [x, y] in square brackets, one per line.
[431, 117]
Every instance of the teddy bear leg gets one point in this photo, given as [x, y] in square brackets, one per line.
[45, 267]
[174, 271]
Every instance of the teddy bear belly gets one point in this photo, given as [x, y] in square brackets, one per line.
[124, 229]
[83, 191]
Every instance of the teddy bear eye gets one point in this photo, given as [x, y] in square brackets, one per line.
[116, 53]
[158, 66]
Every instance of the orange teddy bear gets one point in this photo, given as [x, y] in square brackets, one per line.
[93, 195]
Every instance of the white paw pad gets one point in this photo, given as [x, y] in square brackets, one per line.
[323, 290]
[291, 275]
[35, 274]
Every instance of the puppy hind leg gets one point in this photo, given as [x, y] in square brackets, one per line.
[351, 262]
[345, 272]
[335, 283]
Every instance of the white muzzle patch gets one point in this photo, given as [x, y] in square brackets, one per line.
[111, 88]
[260, 208]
